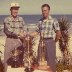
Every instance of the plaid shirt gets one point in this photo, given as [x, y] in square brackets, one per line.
[13, 26]
[48, 27]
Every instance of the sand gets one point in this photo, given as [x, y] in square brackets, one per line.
[58, 52]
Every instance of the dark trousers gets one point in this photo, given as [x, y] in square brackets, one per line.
[50, 53]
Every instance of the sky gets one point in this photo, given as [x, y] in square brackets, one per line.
[34, 6]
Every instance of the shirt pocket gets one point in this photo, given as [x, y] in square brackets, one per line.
[12, 26]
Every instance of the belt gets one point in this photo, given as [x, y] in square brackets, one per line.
[48, 38]
[12, 37]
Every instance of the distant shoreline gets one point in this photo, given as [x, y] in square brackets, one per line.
[35, 17]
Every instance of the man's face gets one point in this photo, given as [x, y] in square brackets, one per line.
[45, 12]
[14, 11]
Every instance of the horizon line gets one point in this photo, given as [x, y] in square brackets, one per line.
[37, 14]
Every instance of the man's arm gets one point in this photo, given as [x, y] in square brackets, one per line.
[58, 35]
[7, 31]
[57, 30]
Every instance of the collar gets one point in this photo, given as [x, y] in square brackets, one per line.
[14, 19]
[48, 19]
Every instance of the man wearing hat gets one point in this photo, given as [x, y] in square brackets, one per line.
[13, 27]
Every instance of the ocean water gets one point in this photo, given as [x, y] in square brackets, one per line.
[31, 19]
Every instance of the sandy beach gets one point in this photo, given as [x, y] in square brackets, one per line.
[58, 52]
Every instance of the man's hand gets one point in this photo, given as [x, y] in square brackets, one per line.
[58, 35]
[22, 34]
[33, 34]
